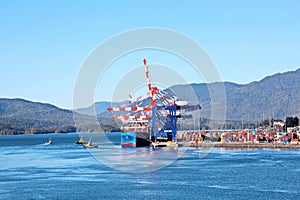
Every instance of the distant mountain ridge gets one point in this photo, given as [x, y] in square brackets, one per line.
[19, 116]
[23, 116]
[275, 96]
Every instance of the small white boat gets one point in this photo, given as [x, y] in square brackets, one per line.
[48, 142]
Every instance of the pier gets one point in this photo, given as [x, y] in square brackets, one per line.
[239, 139]
[239, 145]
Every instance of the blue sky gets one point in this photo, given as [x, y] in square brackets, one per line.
[44, 43]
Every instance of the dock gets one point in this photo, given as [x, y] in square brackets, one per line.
[240, 145]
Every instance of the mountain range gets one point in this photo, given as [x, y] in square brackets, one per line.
[19, 116]
[275, 96]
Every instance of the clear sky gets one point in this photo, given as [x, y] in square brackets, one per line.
[44, 43]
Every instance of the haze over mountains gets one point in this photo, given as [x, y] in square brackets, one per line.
[275, 96]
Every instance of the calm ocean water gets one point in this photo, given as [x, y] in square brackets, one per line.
[64, 170]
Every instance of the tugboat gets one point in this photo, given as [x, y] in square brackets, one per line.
[80, 141]
[90, 145]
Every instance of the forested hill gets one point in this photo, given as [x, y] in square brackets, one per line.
[22, 116]
[274, 96]
[19, 116]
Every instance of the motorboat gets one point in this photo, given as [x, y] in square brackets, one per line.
[80, 141]
[48, 142]
[90, 145]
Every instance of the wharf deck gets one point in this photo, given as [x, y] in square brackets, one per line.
[240, 145]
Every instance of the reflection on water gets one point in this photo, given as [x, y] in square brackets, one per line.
[138, 160]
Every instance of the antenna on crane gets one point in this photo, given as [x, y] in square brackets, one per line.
[152, 90]
[147, 77]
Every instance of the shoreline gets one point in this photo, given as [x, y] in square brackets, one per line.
[240, 145]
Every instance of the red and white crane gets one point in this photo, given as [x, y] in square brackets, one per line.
[157, 106]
